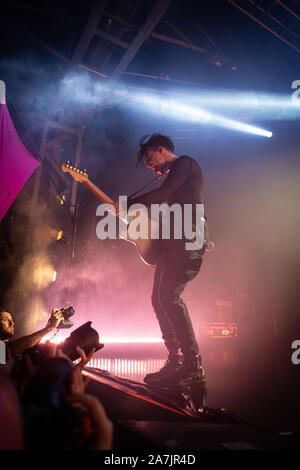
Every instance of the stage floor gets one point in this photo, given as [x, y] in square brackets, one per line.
[258, 393]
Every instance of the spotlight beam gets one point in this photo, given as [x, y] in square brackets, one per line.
[176, 109]
[172, 107]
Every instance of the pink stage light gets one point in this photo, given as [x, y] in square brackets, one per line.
[131, 340]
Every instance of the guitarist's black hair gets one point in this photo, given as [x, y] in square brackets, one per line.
[153, 142]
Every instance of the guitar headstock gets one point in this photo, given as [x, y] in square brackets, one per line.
[77, 174]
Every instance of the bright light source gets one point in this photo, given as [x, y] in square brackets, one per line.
[54, 276]
[42, 272]
[55, 337]
[59, 235]
[179, 110]
[131, 340]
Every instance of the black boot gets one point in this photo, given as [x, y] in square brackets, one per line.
[170, 367]
[189, 374]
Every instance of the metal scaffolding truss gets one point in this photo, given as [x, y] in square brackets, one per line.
[110, 39]
[104, 36]
[109, 36]
[277, 17]
[114, 31]
[112, 35]
[50, 153]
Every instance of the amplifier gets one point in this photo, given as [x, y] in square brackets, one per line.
[216, 329]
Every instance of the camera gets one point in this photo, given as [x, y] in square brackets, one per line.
[67, 313]
[85, 336]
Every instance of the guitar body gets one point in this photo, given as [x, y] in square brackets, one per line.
[149, 246]
[149, 250]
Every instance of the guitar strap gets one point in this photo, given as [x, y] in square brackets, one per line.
[145, 186]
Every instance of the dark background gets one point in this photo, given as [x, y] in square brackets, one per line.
[251, 182]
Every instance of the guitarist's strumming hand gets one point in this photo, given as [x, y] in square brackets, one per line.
[116, 205]
[113, 208]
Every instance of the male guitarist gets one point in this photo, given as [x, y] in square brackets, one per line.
[177, 265]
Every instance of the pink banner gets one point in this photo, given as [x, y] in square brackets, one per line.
[16, 163]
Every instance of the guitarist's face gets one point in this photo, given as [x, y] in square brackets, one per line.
[155, 159]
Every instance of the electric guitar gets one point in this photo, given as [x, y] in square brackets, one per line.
[149, 248]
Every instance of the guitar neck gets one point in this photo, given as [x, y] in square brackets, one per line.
[102, 196]
[97, 192]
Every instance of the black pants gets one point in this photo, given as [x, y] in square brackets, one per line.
[174, 271]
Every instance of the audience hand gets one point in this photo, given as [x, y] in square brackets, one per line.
[84, 358]
[55, 319]
[103, 427]
[77, 382]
